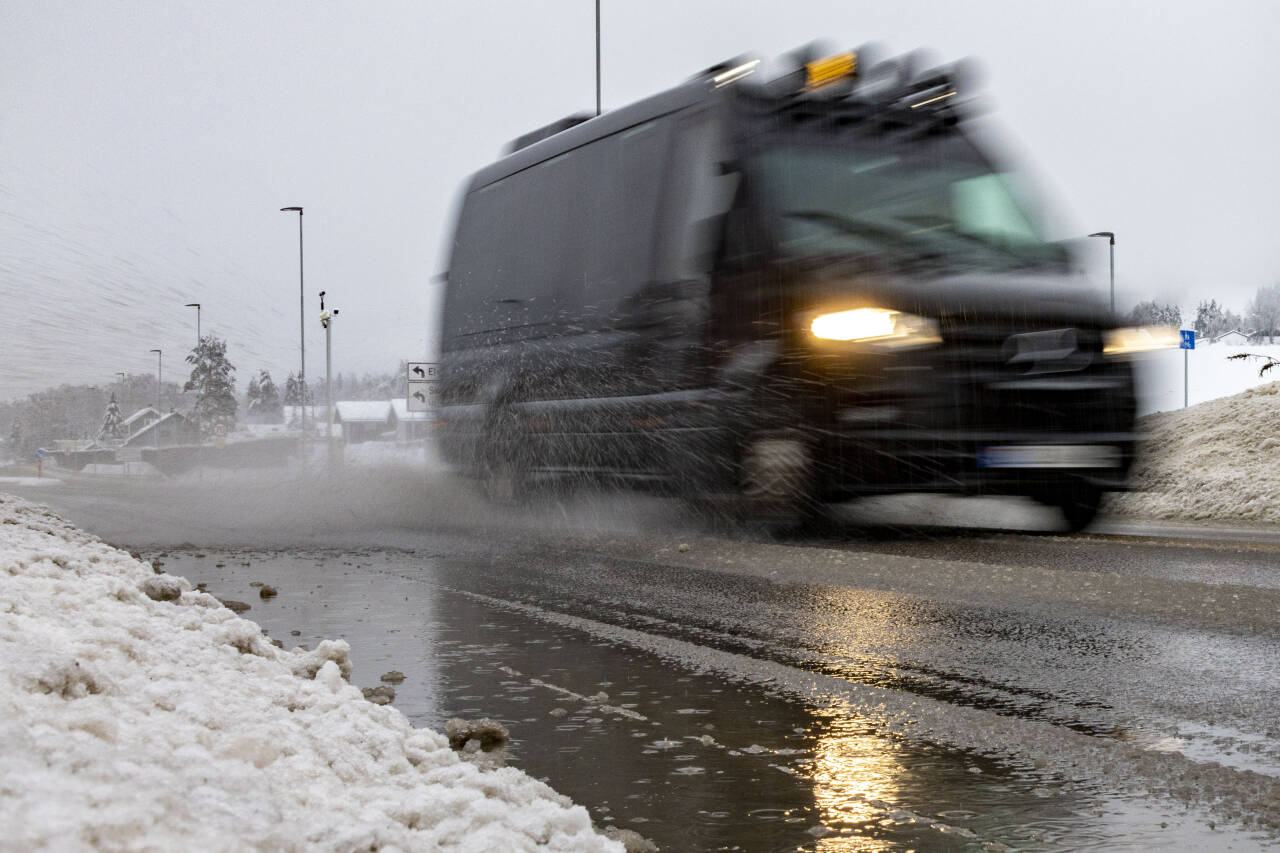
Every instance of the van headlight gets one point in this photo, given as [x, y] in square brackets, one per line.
[879, 326]
[1140, 339]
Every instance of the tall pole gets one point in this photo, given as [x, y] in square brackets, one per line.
[302, 328]
[326, 320]
[196, 305]
[159, 384]
[597, 57]
[1111, 238]
[1113, 274]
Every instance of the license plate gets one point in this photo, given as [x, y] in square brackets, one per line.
[1050, 456]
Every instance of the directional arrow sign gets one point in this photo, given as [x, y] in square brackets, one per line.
[421, 385]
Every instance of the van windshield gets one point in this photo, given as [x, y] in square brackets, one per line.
[935, 199]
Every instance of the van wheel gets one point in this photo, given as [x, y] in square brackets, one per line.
[1079, 504]
[504, 477]
[778, 478]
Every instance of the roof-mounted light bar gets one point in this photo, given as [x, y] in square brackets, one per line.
[829, 69]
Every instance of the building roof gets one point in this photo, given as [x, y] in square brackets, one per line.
[362, 411]
[400, 405]
[138, 415]
[142, 435]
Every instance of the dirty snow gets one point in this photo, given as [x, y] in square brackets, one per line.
[1218, 460]
[138, 713]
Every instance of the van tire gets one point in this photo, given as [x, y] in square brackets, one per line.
[778, 477]
[1079, 504]
[504, 475]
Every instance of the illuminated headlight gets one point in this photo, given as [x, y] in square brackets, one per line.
[1140, 339]
[876, 325]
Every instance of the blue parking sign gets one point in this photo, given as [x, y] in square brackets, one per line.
[1188, 338]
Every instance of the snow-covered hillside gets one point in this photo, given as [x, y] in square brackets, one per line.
[138, 713]
[1218, 460]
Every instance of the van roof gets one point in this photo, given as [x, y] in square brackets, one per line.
[684, 95]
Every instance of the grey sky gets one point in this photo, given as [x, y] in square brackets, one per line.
[145, 148]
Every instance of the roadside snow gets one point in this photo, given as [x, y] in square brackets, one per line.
[138, 713]
[1218, 460]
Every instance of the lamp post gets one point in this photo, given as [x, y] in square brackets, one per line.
[302, 330]
[1111, 238]
[196, 305]
[326, 320]
[120, 381]
[159, 385]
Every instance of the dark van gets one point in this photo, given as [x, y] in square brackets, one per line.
[797, 290]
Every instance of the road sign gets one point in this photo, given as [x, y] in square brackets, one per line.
[1188, 338]
[421, 379]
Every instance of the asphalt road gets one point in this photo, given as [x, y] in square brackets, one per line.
[925, 675]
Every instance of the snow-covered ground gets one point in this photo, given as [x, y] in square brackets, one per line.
[1210, 374]
[139, 713]
[1218, 460]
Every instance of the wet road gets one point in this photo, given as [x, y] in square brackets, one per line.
[887, 685]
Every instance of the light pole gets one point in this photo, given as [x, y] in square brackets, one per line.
[196, 305]
[302, 329]
[120, 382]
[1111, 238]
[326, 320]
[597, 57]
[159, 385]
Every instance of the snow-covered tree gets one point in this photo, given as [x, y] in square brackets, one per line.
[211, 379]
[1151, 313]
[1213, 319]
[1264, 312]
[264, 399]
[252, 396]
[111, 422]
[296, 393]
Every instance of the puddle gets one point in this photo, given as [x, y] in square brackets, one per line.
[688, 759]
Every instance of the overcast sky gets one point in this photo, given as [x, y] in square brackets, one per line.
[146, 148]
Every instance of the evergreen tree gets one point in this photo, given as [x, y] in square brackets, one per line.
[211, 379]
[265, 405]
[111, 422]
[253, 397]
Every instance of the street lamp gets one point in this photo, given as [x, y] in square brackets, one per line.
[326, 320]
[1111, 238]
[159, 376]
[120, 382]
[196, 305]
[302, 310]
[159, 385]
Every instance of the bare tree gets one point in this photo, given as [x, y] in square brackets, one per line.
[1264, 312]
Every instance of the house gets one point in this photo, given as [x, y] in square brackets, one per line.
[139, 420]
[166, 431]
[409, 426]
[1235, 337]
[363, 420]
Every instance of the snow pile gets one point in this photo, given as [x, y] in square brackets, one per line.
[1218, 460]
[136, 712]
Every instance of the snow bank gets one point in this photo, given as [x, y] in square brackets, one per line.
[138, 713]
[1219, 461]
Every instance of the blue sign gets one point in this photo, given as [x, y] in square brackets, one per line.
[40, 453]
[1188, 338]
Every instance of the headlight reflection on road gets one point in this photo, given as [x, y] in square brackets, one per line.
[856, 776]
